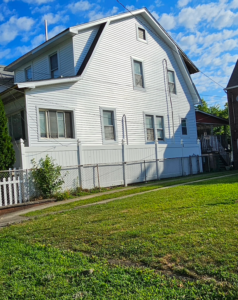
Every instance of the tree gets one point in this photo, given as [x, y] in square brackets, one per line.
[7, 153]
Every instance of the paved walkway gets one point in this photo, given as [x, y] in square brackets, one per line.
[15, 217]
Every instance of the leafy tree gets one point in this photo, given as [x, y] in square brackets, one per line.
[7, 153]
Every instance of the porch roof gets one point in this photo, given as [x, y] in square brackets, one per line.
[209, 119]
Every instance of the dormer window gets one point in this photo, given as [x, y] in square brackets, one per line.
[54, 70]
[141, 34]
[28, 74]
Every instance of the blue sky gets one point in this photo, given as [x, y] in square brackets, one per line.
[206, 31]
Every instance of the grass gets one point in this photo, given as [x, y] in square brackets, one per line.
[126, 192]
[189, 231]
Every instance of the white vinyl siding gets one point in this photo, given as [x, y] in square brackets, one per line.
[108, 83]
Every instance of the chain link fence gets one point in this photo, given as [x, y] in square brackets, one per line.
[17, 186]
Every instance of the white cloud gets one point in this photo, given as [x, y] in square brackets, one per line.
[96, 14]
[130, 7]
[56, 30]
[41, 10]
[1, 17]
[167, 21]
[32, 1]
[55, 18]
[14, 27]
[182, 3]
[155, 15]
[4, 53]
[80, 6]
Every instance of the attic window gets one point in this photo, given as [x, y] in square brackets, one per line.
[54, 66]
[141, 34]
[28, 74]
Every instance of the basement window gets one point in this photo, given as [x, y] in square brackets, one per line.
[55, 124]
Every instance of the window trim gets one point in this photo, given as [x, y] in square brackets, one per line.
[133, 58]
[137, 34]
[60, 109]
[155, 129]
[175, 85]
[29, 67]
[104, 141]
[49, 56]
[184, 135]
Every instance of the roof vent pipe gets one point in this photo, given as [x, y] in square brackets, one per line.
[46, 31]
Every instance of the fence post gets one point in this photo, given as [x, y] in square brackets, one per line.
[98, 178]
[191, 165]
[22, 153]
[156, 158]
[80, 162]
[181, 142]
[198, 164]
[145, 169]
[124, 161]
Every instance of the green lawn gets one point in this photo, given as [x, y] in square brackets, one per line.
[116, 194]
[189, 232]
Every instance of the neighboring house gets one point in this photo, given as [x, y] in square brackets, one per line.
[118, 78]
[6, 79]
[211, 143]
[232, 97]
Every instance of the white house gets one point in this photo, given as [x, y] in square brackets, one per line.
[82, 94]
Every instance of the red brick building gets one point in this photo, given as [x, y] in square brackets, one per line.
[232, 97]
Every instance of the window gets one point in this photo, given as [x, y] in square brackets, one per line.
[16, 126]
[55, 124]
[141, 34]
[108, 124]
[28, 74]
[138, 74]
[154, 128]
[54, 66]
[184, 126]
[171, 80]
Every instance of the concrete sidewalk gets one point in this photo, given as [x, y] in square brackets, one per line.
[15, 217]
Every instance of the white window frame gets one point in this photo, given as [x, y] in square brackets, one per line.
[49, 139]
[55, 52]
[143, 89]
[137, 34]
[104, 141]
[184, 135]
[175, 85]
[29, 67]
[155, 129]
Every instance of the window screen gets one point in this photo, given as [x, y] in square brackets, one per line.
[184, 127]
[55, 124]
[150, 128]
[54, 66]
[141, 34]
[171, 79]
[16, 126]
[160, 128]
[138, 74]
[28, 74]
[108, 123]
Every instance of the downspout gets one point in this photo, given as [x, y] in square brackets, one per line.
[124, 126]
[167, 92]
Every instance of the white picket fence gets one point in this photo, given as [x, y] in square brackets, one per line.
[11, 188]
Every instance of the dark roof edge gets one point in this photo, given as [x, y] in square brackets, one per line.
[91, 49]
[211, 115]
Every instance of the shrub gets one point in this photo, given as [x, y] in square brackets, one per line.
[47, 176]
[62, 196]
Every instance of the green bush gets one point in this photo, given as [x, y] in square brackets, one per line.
[47, 177]
[7, 153]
